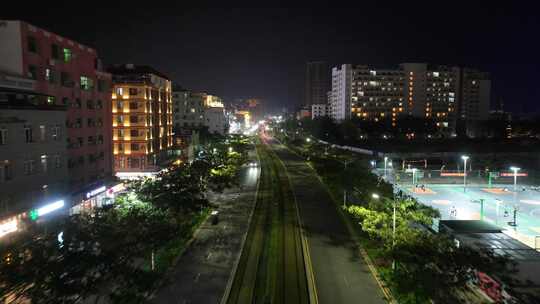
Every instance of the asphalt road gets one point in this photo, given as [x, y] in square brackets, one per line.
[202, 273]
[341, 275]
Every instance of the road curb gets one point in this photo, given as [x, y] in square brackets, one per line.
[310, 275]
[230, 281]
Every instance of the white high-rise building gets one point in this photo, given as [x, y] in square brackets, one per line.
[455, 98]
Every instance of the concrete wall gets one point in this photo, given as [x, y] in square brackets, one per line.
[11, 53]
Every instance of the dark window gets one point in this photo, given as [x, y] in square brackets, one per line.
[100, 139]
[65, 79]
[32, 71]
[133, 119]
[55, 51]
[80, 141]
[134, 147]
[28, 133]
[133, 91]
[99, 104]
[32, 44]
[133, 105]
[90, 104]
[101, 85]
[134, 133]
[65, 101]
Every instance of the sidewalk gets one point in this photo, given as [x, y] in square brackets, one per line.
[202, 273]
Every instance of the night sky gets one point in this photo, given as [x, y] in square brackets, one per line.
[261, 52]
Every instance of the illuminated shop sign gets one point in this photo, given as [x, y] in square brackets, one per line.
[95, 191]
[34, 214]
[8, 227]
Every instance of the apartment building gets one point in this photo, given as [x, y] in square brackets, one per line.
[69, 74]
[33, 155]
[142, 119]
[197, 110]
[316, 83]
[454, 97]
[318, 110]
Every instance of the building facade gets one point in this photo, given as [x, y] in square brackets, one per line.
[188, 109]
[316, 83]
[69, 73]
[318, 110]
[33, 155]
[141, 119]
[453, 97]
[197, 110]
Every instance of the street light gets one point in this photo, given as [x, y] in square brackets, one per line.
[465, 158]
[373, 163]
[385, 163]
[375, 196]
[308, 139]
[230, 149]
[515, 169]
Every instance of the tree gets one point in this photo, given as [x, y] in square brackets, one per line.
[89, 255]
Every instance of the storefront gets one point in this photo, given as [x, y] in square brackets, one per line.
[97, 198]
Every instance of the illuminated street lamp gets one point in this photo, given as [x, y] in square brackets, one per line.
[230, 149]
[385, 164]
[308, 139]
[465, 158]
[373, 163]
[375, 196]
[515, 169]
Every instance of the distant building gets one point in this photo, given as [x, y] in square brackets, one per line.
[196, 110]
[318, 110]
[142, 119]
[70, 75]
[303, 112]
[455, 98]
[316, 83]
[33, 154]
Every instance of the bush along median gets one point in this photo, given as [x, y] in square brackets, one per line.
[418, 265]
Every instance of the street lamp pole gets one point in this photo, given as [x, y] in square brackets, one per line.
[385, 162]
[465, 158]
[515, 169]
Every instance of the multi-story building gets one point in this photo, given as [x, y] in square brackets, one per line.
[340, 106]
[451, 96]
[33, 156]
[69, 74]
[196, 110]
[318, 110]
[316, 83]
[188, 109]
[141, 119]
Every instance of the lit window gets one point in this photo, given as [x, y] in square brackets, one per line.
[86, 83]
[68, 55]
[373, 73]
[435, 74]
[120, 91]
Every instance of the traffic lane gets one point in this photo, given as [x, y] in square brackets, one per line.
[341, 275]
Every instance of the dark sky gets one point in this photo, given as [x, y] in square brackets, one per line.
[261, 52]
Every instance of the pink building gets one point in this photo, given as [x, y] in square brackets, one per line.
[70, 73]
